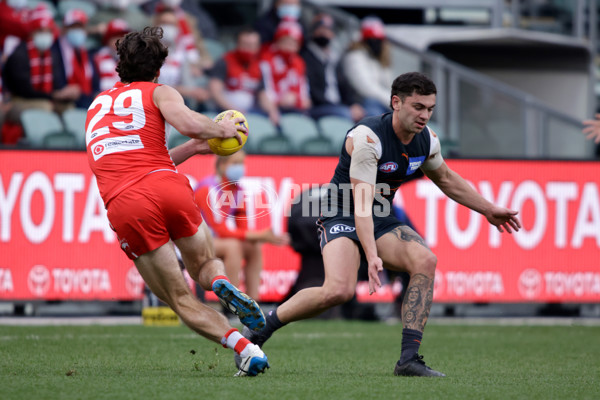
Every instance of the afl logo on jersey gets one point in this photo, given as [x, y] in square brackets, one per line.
[98, 149]
[388, 167]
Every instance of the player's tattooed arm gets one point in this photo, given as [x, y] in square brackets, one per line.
[406, 234]
[417, 302]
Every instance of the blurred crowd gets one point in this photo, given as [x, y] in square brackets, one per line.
[59, 55]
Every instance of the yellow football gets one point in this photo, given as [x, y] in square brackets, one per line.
[226, 147]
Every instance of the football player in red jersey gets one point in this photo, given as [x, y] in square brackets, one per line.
[150, 205]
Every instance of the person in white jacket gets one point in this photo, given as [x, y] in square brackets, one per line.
[367, 67]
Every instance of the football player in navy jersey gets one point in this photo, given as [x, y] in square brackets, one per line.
[379, 154]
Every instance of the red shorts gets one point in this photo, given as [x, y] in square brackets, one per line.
[150, 212]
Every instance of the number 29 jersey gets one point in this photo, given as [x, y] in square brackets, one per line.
[126, 137]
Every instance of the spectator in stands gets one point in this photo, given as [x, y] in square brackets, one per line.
[33, 76]
[284, 70]
[234, 242]
[236, 81]
[196, 16]
[106, 57]
[124, 9]
[78, 65]
[367, 67]
[188, 37]
[329, 91]
[14, 28]
[181, 69]
[282, 10]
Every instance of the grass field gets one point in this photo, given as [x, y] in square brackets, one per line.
[310, 360]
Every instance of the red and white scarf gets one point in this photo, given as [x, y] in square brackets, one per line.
[40, 67]
[78, 69]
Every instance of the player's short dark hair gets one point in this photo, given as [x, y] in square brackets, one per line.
[141, 55]
[407, 84]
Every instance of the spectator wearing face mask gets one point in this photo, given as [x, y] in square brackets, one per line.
[33, 76]
[366, 67]
[78, 65]
[236, 82]
[181, 67]
[330, 92]
[106, 57]
[191, 11]
[284, 71]
[282, 10]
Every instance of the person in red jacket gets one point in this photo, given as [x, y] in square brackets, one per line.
[236, 81]
[284, 70]
[234, 241]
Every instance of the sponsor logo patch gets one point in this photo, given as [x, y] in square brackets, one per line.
[116, 145]
[339, 228]
[414, 163]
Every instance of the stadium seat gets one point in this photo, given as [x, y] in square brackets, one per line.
[259, 127]
[318, 147]
[298, 128]
[74, 120]
[60, 140]
[335, 128]
[86, 6]
[176, 138]
[275, 145]
[37, 124]
[215, 48]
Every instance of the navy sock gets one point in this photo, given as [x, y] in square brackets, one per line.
[272, 323]
[411, 340]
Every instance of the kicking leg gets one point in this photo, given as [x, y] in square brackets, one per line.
[161, 272]
[198, 256]
[341, 259]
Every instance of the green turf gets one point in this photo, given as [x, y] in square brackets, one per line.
[310, 360]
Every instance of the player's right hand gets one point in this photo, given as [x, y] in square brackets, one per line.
[231, 129]
[374, 268]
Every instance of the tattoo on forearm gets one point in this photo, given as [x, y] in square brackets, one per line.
[405, 233]
[417, 302]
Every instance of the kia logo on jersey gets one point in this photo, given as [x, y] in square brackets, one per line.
[388, 167]
[414, 163]
[339, 228]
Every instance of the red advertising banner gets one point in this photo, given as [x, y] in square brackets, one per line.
[55, 241]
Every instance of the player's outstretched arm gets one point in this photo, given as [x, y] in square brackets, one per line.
[459, 190]
[592, 129]
[364, 194]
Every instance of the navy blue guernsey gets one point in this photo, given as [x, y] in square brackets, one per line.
[399, 163]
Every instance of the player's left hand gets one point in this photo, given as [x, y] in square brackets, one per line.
[592, 129]
[374, 268]
[502, 217]
[200, 146]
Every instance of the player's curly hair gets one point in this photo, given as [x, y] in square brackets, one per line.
[412, 82]
[141, 55]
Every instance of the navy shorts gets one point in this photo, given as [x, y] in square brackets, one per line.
[331, 228]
